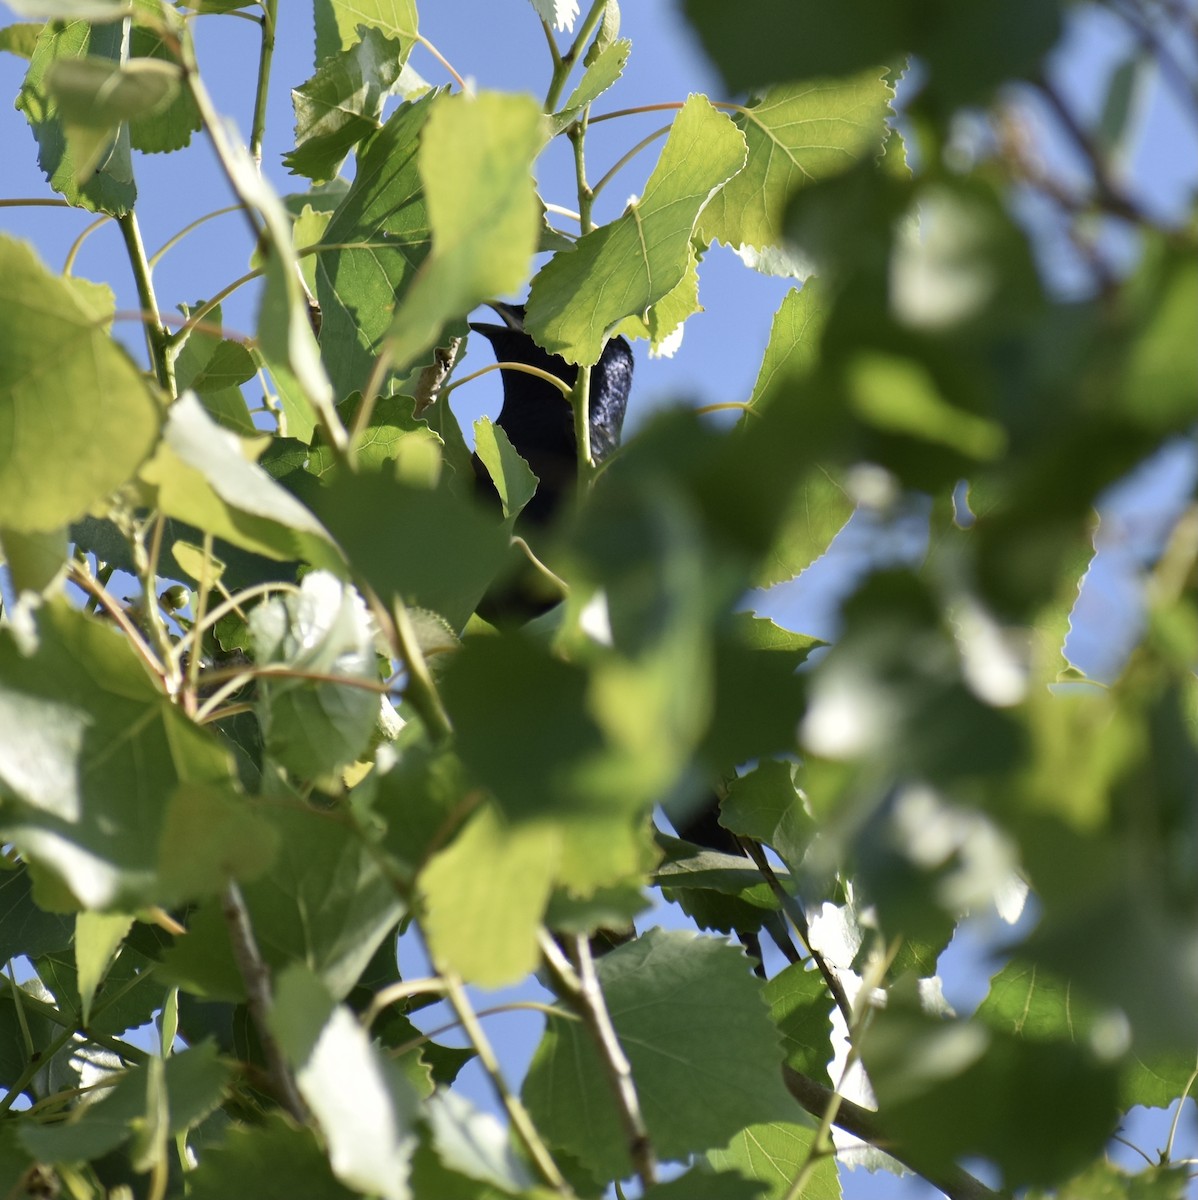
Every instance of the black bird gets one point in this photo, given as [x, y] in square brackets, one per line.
[539, 422]
[538, 419]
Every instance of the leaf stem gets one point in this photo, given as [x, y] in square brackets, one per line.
[156, 336]
[268, 21]
[137, 638]
[172, 242]
[868, 1125]
[420, 691]
[580, 983]
[665, 106]
[69, 262]
[625, 159]
[518, 1115]
[442, 60]
[256, 976]
[563, 64]
[524, 368]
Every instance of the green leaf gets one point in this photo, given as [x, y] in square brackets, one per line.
[966, 51]
[475, 162]
[702, 1184]
[36, 562]
[765, 804]
[20, 40]
[98, 938]
[167, 128]
[24, 927]
[365, 1107]
[94, 95]
[273, 1160]
[796, 134]
[96, 11]
[325, 901]
[92, 409]
[512, 476]
[312, 729]
[620, 269]
[485, 896]
[705, 1058]
[949, 1088]
[194, 1080]
[775, 1154]
[214, 369]
[341, 104]
[338, 22]
[89, 751]
[203, 477]
[1105, 1181]
[602, 71]
[110, 189]
[662, 323]
[793, 351]
[396, 534]
[376, 242]
[802, 1007]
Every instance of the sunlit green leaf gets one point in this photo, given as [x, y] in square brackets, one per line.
[620, 269]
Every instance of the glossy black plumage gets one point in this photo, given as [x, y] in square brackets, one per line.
[538, 419]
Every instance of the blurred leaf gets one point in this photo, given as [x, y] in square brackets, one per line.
[95, 95]
[342, 103]
[273, 1160]
[94, 409]
[949, 1088]
[395, 535]
[475, 163]
[485, 895]
[700, 1184]
[21, 39]
[364, 1106]
[620, 269]
[704, 1056]
[203, 477]
[1106, 1181]
[966, 51]
[110, 189]
[195, 1083]
[36, 562]
[24, 927]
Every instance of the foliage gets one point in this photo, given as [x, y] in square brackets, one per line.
[226, 800]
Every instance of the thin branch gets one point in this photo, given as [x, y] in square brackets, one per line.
[548, 1010]
[69, 262]
[563, 64]
[868, 1125]
[518, 1115]
[442, 60]
[256, 976]
[798, 918]
[432, 379]
[78, 576]
[395, 992]
[156, 337]
[547, 376]
[268, 21]
[626, 158]
[172, 242]
[1112, 197]
[580, 984]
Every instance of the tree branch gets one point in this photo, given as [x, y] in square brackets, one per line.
[868, 1125]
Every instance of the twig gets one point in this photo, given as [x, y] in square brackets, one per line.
[627, 157]
[268, 21]
[156, 337]
[256, 976]
[524, 368]
[582, 991]
[1113, 198]
[563, 64]
[868, 1125]
[517, 1113]
[798, 918]
[432, 379]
